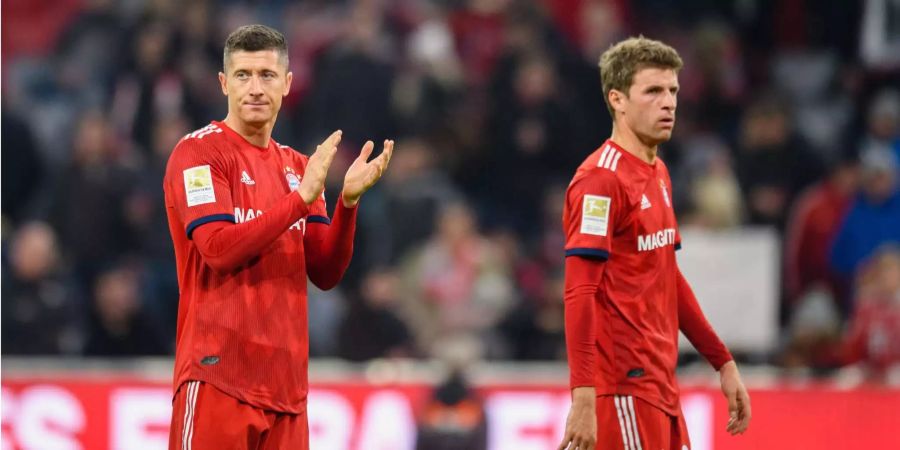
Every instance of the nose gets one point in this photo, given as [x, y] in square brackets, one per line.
[255, 86]
[670, 101]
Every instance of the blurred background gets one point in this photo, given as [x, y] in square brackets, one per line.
[784, 161]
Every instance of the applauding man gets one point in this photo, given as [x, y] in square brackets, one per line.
[248, 220]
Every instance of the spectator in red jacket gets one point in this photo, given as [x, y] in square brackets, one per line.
[873, 336]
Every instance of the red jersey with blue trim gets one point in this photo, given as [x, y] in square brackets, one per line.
[619, 209]
[245, 331]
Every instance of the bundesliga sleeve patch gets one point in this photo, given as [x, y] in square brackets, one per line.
[198, 186]
[595, 215]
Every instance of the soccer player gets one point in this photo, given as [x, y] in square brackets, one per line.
[625, 298]
[248, 220]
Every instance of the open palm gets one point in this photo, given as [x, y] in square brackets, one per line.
[363, 174]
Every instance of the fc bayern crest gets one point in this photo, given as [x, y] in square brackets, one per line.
[293, 181]
[662, 185]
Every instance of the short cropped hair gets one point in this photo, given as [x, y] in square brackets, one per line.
[620, 62]
[254, 38]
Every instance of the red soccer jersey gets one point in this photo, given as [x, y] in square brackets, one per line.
[245, 331]
[619, 209]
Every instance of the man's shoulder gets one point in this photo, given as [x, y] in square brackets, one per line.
[592, 172]
[210, 133]
[204, 146]
[209, 138]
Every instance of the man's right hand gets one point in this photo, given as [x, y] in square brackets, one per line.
[313, 182]
[581, 426]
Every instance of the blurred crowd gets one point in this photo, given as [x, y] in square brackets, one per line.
[788, 117]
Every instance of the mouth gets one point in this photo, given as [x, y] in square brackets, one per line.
[667, 122]
[256, 104]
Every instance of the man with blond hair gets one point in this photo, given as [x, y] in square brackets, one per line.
[625, 298]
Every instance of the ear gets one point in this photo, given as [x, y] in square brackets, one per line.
[617, 100]
[223, 81]
[287, 83]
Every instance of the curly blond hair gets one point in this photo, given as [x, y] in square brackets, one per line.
[620, 62]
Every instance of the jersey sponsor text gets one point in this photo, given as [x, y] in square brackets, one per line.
[656, 240]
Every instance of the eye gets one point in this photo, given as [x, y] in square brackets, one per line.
[269, 75]
[654, 90]
[241, 75]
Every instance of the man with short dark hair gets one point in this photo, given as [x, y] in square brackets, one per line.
[248, 221]
[625, 298]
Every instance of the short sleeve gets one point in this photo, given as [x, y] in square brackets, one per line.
[196, 185]
[591, 215]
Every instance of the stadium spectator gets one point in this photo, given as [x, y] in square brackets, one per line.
[351, 87]
[531, 139]
[42, 305]
[121, 327]
[713, 192]
[874, 217]
[416, 190]
[814, 222]
[371, 329]
[149, 87]
[535, 328]
[23, 170]
[873, 335]
[453, 418]
[883, 122]
[457, 285]
[773, 164]
[478, 36]
[427, 90]
[145, 214]
[88, 210]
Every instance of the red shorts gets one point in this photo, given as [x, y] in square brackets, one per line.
[629, 423]
[204, 417]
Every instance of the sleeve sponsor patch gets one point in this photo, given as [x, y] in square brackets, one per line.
[198, 186]
[595, 215]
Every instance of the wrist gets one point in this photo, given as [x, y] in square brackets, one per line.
[307, 197]
[584, 396]
[728, 368]
[349, 202]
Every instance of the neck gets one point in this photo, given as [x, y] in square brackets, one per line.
[628, 140]
[257, 135]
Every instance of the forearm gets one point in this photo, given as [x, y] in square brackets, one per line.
[328, 248]
[694, 325]
[582, 280]
[225, 246]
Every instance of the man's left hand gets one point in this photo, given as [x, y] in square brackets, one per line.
[363, 174]
[738, 399]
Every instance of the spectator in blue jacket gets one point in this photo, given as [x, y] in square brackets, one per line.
[874, 217]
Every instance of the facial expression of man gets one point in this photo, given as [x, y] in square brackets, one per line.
[255, 83]
[649, 108]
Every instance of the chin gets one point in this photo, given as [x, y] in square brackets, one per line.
[256, 119]
[663, 136]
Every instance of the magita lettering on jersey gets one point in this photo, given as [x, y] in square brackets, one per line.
[242, 215]
[656, 240]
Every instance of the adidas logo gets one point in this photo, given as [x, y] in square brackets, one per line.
[644, 202]
[245, 178]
